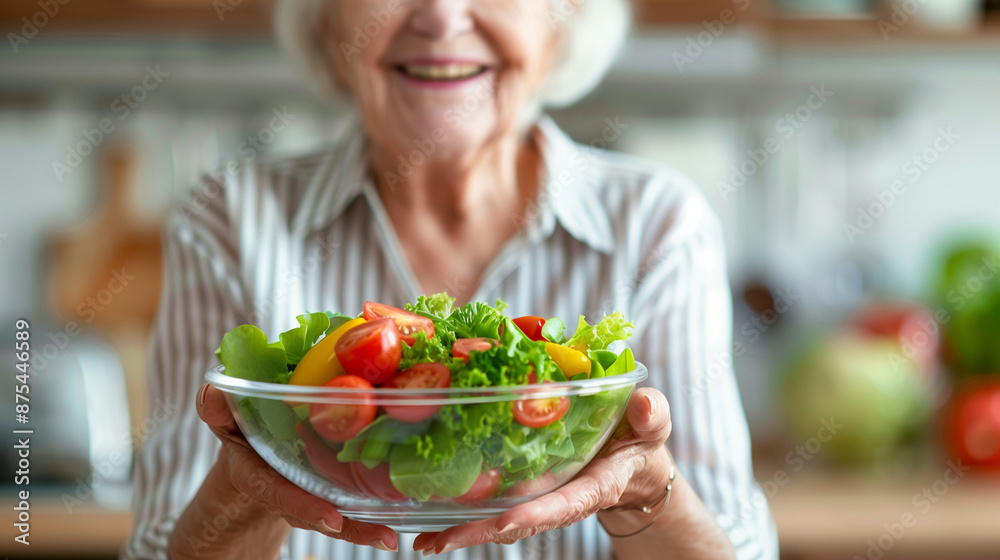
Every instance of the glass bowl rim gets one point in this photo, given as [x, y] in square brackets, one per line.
[420, 397]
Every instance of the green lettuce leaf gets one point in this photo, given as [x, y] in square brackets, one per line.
[276, 418]
[412, 475]
[476, 319]
[373, 444]
[477, 425]
[610, 329]
[299, 340]
[434, 349]
[438, 306]
[624, 364]
[589, 417]
[501, 306]
[604, 357]
[526, 450]
[553, 330]
[596, 370]
[247, 355]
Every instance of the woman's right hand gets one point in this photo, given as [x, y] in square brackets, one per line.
[258, 504]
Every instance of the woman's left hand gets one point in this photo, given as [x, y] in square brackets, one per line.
[631, 470]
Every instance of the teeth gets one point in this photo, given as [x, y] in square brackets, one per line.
[442, 71]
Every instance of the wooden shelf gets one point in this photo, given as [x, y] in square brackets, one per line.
[134, 17]
[867, 31]
[835, 517]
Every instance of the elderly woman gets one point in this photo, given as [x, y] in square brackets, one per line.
[453, 181]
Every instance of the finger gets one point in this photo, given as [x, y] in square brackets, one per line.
[648, 413]
[352, 531]
[596, 487]
[460, 536]
[366, 534]
[253, 476]
[424, 540]
[214, 411]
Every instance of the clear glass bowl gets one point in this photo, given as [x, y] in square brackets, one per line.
[272, 419]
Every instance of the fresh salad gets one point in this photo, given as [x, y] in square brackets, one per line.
[467, 452]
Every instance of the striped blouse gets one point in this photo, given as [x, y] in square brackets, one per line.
[262, 242]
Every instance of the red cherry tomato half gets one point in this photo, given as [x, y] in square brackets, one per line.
[421, 376]
[341, 422]
[485, 487]
[370, 350]
[323, 458]
[536, 413]
[375, 483]
[408, 323]
[530, 325]
[463, 346]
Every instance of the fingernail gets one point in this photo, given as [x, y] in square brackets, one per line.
[652, 405]
[428, 551]
[510, 527]
[201, 394]
[326, 527]
[379, 544]
[447, 548]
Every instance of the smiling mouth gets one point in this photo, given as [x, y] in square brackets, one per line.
[441, 72]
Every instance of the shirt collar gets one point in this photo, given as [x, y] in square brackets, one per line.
[567, 195]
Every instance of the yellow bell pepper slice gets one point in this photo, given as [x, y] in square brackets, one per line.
[570, 361]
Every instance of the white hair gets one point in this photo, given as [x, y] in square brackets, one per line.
[593, 33]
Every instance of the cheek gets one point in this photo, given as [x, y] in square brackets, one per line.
[524, 38]
[360, 34]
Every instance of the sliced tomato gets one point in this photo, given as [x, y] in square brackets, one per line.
[341, 422]
[323, 458]
[463, 346]
[370, 350]
[536, 413]
[375, 483]
[421, 376]
[408, 323]
[485, 487]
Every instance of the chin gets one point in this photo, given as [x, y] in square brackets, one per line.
[445, 131]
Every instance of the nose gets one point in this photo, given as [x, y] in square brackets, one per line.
[440, 19]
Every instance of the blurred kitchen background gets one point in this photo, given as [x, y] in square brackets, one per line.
[849, 147]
